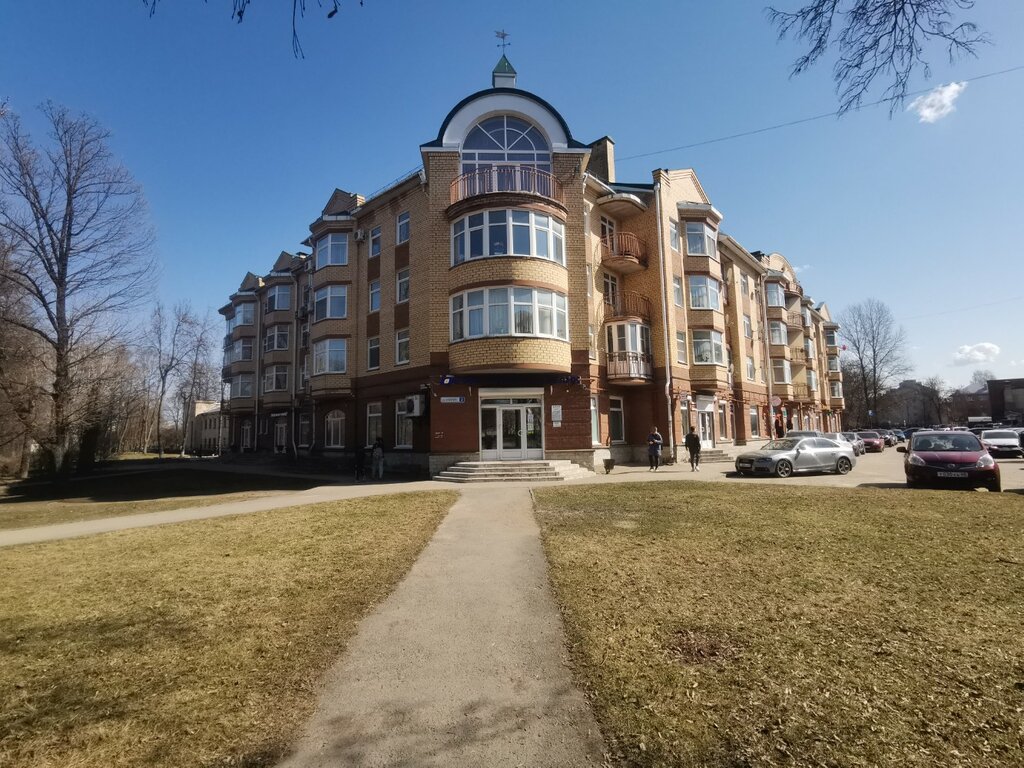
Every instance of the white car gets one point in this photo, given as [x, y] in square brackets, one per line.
[1002, 442]
[842, 439]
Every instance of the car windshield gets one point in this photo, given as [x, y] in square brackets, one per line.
[998, 434]
[952, 441]
[850, 435]
[781, 445]
[868, 434]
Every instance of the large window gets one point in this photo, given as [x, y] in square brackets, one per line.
[374, 295]
[701, 240]
[777, 333]
[595, 422]
[673, 234]
[374, 422]
[616, 421]
[812, 382]
[781, 373]
[403, 424]
[402, 228]
[755, 422]
[809, 349]
[775, 294]
[330, 356]
[833, 364]
[744, 284]
[402, 286]
[275, 378]
[240, 386]
[276, 338]
[375, 242]
[240, 349]
[502, 140]
[748, 328]
[830, 339]
[751, 370]
[278, 297]
[628, 337]
[334, 430]
[332, 249]
[402, 346]
[508, 233]
[835, 389]
[704, 293]
[707, 348]
[244, 315]
[509, 312]
[373, 353]
[331, 302]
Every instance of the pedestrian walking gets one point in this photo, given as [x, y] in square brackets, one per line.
[778, 427]
[377, 459]
[654, 443]
[692, 444]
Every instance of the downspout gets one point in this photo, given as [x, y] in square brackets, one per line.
[768, 369]
[257, 385]
[294, 341]
[664, 323]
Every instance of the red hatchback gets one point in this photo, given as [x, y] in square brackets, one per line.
[873, 441]
[955, 459]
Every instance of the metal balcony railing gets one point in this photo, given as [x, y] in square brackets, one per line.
[623, 246]
[627, 304]
[507, 178]
[629, 365]
[801, 392]
[795, 320]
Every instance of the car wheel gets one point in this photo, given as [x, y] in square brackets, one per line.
[996, 487]
[783, 469]
[843, 465]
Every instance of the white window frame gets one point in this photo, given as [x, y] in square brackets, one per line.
[375, 242]
[748, 327]
[235, 386]
[592, 342]
[615, 406]
[336, 254]
[673, 235]
[374, 422]
[478, 231]
[744, 283]
[334, 429]
[628, 337]
[403, 423]
[327, 354]
[705, 292]
[677, 290]
[833, 364]
[716, 345]
[372, 345]
[327, 294]
[787, 371]
[275, 338]
[706, 245]
[775, 295]
[374, 295]
[751, 369]
[546, 308]
[274, 302]
[754, 416]
[681, 347]
[831, 339]
[403, 228]
[402, 285]
[278, 376]
[835, 389]
[402, 344]
[595, 421]
[778, 334]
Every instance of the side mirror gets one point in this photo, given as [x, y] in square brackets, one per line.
[901, 449]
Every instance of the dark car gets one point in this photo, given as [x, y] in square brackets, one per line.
[953, 459]
[872, 441]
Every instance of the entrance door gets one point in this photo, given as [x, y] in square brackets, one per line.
[280, 437]
[511, 447]
[511, 429]
[706, 422]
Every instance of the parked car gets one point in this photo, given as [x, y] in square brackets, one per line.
[888, 436]
[952, 459]
[786, 455]
[908, 431]
[855, 440]
[840, 438]
[1002, 442]
[900, 437]
[804, 433]
[873, 441]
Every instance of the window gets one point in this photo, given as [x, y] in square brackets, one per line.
[238, 350]
[744, 284]
[510, 141]
[830, 338]
[628, 337]
[751, 371]
[607, 229]
[704, 293]
[673, 234]
[375, 242]
[278, 297]
[332, 249]
[777, 333]
[402, 228]
[776, 296]
[616, 423]
[809, 349]
[781, 373]
[374, 295]
[305, 368]
[508, 232]
[330, 356]
[592, 342]
[755, 422]
[403, 424]
[833, 364]
[334, 430]
[677, 290]
[276, 338]
[748, 328]
[275, 378]
[402, 286]
[707, 348]
[835, 389]
[305, 430]
[509, 311]
[240, 386]
[246, 435]
[402, 347]
[331, 302]
[304, 335]
[373, 353]
[595, 422]
[681, 347]
[807, 317]
[700, 240]
[243, 316]
[611, 288]
[374, 422]
[812, 382]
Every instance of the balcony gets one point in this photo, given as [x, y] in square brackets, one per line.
[795, 319]
[627, 304]
[836, 403]
[507, 179]
[629, 368]
[798, 355]
[802, 393]
[623, 252]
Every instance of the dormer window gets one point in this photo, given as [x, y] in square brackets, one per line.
[505, 140]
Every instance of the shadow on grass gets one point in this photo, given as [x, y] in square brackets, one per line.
[156, 484]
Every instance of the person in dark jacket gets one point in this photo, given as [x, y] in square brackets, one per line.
[360, 463]
[692, 444]
[654, 443]
[778, 427]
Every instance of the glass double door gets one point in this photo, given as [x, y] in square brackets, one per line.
[511, 430]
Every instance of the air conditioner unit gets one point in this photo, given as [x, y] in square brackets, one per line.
[310, 264]
[414, 405]
[360, 235]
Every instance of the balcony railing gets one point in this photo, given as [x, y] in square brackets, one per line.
[795, 319]
[629, 365]
[801, 392]
[627, 304]
[507, 178]
[798, 355]
[623, 249]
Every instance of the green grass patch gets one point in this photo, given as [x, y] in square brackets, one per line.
[198, 644]
[759, 625]
[113, 495]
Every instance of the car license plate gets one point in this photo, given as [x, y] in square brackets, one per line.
[951, 474]
[745, 464]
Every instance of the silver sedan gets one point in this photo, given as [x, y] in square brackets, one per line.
[785, 456]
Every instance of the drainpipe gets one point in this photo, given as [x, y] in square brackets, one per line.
[761, 280]
[664, 323]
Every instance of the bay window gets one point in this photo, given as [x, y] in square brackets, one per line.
[240, 386]
[515, 311]
[331, 302]
[330, 356]
[708, 348]
[701, 240]
[704, 293]
[508, 232]
[781, 373]
[275, 378]
[835, 389]
[775, 295]
[278, 297]
[276, 338]
[332, 249]
[777, 333]
[833, 364]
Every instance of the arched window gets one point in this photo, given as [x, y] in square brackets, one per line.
[505, 140]
[334, 430]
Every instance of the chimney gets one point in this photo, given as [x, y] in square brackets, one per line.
[503, 76]
[602, 159]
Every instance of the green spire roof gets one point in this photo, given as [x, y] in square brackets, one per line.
[504, 67]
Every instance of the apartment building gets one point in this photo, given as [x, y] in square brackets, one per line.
[514, 300]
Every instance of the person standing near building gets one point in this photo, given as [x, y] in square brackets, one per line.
[654, 443]
[377, 460]
[778, 427]
[692, 444]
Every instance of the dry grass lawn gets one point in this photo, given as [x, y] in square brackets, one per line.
[129, 494]
[198, 644]
[759, 625]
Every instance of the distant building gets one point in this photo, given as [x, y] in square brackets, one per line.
[969, 402]
[1006, 400]
[205, 427]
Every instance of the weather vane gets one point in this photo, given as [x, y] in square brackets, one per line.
[502, 35]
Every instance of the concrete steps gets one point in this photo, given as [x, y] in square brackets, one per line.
[512, 471]
[709, 456]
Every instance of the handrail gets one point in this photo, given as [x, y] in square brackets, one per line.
[627, 304]
[795, 319]
[506, 178]
[631, 365]
[624, 245]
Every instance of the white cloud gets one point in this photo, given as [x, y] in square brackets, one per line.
[983, 352]
[1015, 363]
[937, 103]
[802, 268]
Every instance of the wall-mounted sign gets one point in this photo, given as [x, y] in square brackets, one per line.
[453, 400]
[556, 413]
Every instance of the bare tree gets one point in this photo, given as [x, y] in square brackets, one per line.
[980, 377]
[76, 225]
[173, 341]
[876, 349]
[877, 39]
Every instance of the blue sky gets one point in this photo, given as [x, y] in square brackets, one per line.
[238, 144]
